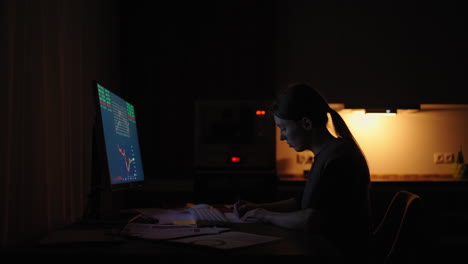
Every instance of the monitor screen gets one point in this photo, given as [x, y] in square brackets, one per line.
[119, 130]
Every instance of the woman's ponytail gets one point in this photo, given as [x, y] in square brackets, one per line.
[342, 130]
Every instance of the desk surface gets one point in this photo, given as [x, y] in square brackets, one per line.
[391, 178]
[292, 243]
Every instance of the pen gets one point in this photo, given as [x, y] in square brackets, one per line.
[134, 218]
[238, 203]
[150, 219]
[146, 218]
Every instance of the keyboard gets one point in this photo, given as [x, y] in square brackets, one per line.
[208, 217]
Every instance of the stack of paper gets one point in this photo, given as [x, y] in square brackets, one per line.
[228, 240]
[162, 232]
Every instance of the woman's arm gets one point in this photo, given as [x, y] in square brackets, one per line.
[288, 205]
[302, 219]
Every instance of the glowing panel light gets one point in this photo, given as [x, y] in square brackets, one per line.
[381, 112]
[260, 112]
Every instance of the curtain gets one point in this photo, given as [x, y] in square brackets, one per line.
[50, 51]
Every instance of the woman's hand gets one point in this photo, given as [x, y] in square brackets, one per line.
[255, 215]
[242, 207]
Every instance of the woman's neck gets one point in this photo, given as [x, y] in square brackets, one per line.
[322, 140]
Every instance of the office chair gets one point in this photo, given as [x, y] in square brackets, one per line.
[397, 238]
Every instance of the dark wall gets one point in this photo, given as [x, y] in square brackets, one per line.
[394, 53]
[377, 52]
[51, 51]
[174, 54]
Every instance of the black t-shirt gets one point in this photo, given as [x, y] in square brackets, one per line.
[338, 187]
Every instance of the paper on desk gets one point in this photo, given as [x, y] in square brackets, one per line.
[162, 232]
[228, 240]
[168, 216]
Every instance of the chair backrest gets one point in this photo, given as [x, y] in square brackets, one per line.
[396, 235]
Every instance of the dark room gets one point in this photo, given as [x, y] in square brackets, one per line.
[322, 129]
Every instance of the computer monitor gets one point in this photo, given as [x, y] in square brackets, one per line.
[117, 167]
[118, 133]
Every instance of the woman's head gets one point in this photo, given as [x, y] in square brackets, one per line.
[305, 112]
[300, 112]
[301, 100]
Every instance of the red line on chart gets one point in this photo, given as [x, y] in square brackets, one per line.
[128, 161]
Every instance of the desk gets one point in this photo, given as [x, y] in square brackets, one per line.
[292, 243]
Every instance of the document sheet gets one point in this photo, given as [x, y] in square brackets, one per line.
[163, 232]
[227, 240]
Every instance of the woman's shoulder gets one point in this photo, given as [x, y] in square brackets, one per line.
[343, 149]
[340, 146]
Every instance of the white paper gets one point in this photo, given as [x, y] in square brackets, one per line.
[162, 232]
[167, 216]
[227, 240]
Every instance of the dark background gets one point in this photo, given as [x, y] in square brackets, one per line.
[165, 55]
[395, 53]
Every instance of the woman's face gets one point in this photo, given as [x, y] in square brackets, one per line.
[293, 132]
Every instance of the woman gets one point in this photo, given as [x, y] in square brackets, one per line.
[335, 200]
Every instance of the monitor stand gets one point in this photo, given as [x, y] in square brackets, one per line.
[103, 204]
[106, 207]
